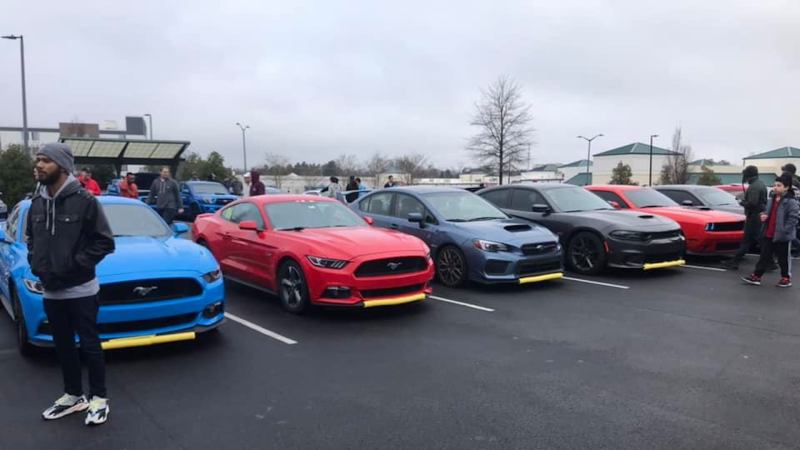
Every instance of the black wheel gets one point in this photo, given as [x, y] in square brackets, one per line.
[586, 254]
[451, 267]
[23, 345]
[292, 288]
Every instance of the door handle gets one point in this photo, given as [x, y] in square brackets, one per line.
[394, 226]
[227, 236]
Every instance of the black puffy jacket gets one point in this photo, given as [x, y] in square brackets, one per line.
[67, 237]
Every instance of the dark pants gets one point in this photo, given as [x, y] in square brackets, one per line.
[770, 250]
[752, 234]
[77, 316]
[168, 214]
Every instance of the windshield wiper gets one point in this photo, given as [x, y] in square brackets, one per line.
[292, 229]
[456, 220]
[484, 218]
[651, 206]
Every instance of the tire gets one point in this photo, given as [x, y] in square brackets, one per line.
[451, 267]
[23, 344]
[293, 289]
[586, 254]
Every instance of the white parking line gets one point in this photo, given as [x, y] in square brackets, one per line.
[713, 269]
[468, 305]
[260, 329]
[580, 280]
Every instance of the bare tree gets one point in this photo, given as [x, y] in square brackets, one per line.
[676, 170]
[275, 166]
[504, 131]
[413, 165]
[377, 165]
[347, 164]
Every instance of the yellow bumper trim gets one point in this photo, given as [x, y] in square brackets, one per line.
[394, 300]
[538, 278]
[142, 341]
[661, 265]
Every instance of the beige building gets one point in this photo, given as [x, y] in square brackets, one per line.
[637, 156]
[771, 162]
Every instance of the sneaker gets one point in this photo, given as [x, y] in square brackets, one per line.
[785, 282]
[98, 411]
[752, 279]
[65, 406]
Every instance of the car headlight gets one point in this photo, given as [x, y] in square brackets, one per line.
[709, 227]
[489, 246]
[34, 286]
[213, 276]
[626, 235]
[327, 263]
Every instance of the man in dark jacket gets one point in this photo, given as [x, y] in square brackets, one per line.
[352, 188]
[256, 185]
[165, 195]
[780, 220]
[68, 235]
[753, 202]
[792, 169]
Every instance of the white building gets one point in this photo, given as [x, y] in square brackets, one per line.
[575, 172]
[543, 173]
[771, 162]
[637, 156]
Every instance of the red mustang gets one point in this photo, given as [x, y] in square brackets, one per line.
[707, 232]
[314, 250]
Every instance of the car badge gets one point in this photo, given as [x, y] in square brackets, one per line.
[142, 291]
[394, 265]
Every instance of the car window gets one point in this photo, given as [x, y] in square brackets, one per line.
[11, 223]
[524, 199]
[380, 204]
[611, 197]
[717, 197]
[311, 214]
[135, 220]
[406, 204]
[498, 197]
[648, 198]
[227, 213]
[246, 211]
[680, 196]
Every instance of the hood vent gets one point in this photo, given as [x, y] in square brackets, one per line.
[646, 216]
[517, 228]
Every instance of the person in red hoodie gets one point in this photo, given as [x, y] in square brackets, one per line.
[128, 187]
[88, 183]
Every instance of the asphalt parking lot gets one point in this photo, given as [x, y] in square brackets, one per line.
[679, 358]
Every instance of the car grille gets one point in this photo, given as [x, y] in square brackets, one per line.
[664, 234]
[373, 293]
[140, 291]
[134, 326]
[725, 226]
[223, 201]
[382, 267]
[540, 248]
[533, 267]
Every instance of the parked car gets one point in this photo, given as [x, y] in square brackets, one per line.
[706, 232]
[314, 251]
[154, 288]
[593, 234]
[470, 239]
[199, 197]
[143, 180]
[701, 197]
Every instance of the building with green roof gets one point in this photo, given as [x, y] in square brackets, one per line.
[635, 155]
[770, 162]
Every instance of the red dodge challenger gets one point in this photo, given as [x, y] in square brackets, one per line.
[314, 251]
[706, 231]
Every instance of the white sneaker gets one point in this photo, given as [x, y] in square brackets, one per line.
[98, 411]
[65, 406]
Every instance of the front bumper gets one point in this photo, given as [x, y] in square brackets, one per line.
[513, 268]
[655, 254]
[714, 243]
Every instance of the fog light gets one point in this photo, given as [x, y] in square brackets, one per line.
[339, 292]
[213, 310]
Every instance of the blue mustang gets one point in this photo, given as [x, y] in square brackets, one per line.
[469, 238]
[154, 288]
[200, 197]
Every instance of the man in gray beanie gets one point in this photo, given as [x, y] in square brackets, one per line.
[68, 235]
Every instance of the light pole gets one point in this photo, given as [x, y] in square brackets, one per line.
[24, 102]
[589, 154]
[150, 124]
[244, 143]
[651, 158]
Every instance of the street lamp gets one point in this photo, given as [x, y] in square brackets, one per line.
[150, 125]
[589, 154]
[244, 143]
[651, 158]
[24, 102]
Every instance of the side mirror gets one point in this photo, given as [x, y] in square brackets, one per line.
[248, 225]
[687, 202]
[417, 218]
[614, 204]
[369, 220]
[179, 228]
[540, 208]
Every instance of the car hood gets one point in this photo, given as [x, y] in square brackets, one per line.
[733, 209]
[350, 243]
[681, 214]
[628, 220]
[507, 231]
[149, 254]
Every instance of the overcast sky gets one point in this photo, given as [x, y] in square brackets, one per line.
[315, 79]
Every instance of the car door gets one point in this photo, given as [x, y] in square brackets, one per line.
[253, 251]
[521, 205]
[405, 204]
[221, 245]
[8, 256]
[379, 207]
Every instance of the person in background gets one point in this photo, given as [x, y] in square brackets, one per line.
[361, 188]
[88, 183]
[236, 187]
[64, 255]
[391, 183]
[332, 188]
[792, 169]
[754, 201]
[256, 185]
[780, 219]
[352, 189]
[165, 196]
[128, 187]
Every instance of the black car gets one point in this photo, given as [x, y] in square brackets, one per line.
[593, 233]
[701, 197]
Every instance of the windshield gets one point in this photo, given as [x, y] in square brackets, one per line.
[463, 207]
[648, 198]
[135, 220]
[311, 214]
[717, 197]
[209, 189]
[575, 200]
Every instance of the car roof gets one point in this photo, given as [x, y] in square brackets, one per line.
[542, 186]
[202, 182]
[115, 200]
[617, 187]
[286, 198]
[684, 187]
[421, 189]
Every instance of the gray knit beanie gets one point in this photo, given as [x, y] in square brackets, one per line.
[60, 154]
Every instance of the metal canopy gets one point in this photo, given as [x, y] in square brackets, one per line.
[119, 152]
